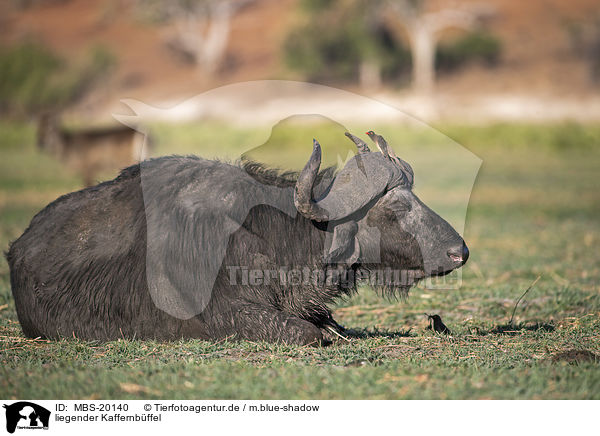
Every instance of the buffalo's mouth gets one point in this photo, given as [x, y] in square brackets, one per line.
[440, 272]
[459, 254]
[455, 258]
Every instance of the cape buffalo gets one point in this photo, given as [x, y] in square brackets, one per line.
[183, 247]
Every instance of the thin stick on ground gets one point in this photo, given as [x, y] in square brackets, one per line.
[521, 297]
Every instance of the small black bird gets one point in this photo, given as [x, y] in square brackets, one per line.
[436, 324]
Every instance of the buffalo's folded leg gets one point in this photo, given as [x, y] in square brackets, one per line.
[258, 323]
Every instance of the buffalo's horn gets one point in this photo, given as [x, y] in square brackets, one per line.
[351, 189]
[360, 144]
[303, 191]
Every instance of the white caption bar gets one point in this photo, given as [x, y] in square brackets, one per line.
[231, 417]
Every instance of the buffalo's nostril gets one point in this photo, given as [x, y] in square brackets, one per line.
[459, 254]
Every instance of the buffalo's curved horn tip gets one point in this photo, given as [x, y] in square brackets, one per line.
[303, 191]
[360, 144]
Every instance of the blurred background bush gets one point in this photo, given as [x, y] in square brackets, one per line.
[493, 60]
[35, 79]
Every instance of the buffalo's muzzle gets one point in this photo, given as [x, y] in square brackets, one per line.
[459, 254]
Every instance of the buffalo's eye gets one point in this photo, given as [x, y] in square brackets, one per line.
[390, 208]
[381, 216]
[400, 208]
[387, 214]
[397, 202]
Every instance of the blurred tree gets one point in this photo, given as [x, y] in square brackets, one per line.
[201, 27]
[35, 80]
[477, 45]
[584, 37]
[345, 40]
[423, 28]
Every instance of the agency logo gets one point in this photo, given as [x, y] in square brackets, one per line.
[26, 415]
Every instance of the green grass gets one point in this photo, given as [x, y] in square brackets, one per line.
[534, 210]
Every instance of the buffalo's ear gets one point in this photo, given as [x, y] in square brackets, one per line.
[344, 245]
